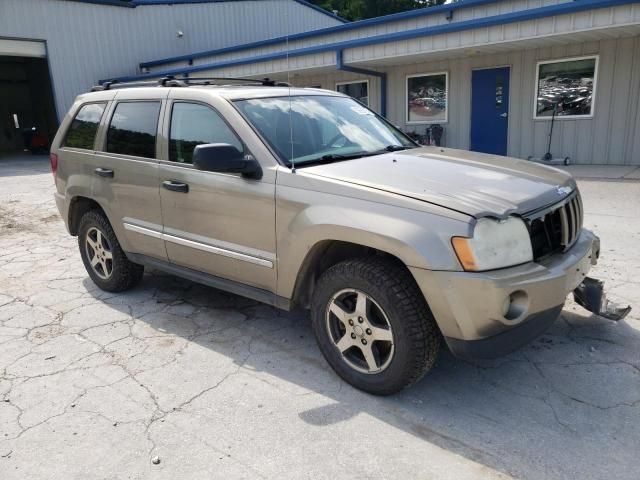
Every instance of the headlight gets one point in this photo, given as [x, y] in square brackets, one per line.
[495, 244]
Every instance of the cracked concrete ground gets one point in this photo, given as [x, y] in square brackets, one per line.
[94, 385]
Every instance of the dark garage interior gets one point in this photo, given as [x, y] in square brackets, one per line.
[26, 102]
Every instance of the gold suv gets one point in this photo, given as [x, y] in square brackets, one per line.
[306, 198]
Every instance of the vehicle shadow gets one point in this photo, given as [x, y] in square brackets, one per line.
[555, 409]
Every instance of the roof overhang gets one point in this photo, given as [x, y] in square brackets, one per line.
[514, 30]
[447, 9]
[506, 46]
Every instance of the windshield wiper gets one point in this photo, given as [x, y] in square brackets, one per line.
[396, 148]
[333, 157]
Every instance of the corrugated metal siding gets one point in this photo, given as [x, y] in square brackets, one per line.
[498, 37]
[517, 31]
[470, 13]
[87, 42]
[612, 136]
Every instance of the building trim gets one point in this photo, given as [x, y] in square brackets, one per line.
[422, 12]
[321, 10]
[52, 84]
[519, 16]
[108, 3]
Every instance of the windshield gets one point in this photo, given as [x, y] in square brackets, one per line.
[321, 128]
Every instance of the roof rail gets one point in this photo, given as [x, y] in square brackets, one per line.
[171, 81]
[265, 82]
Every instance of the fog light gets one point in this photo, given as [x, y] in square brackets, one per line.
[515, 305]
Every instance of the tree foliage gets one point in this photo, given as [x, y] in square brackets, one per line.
[360, 9]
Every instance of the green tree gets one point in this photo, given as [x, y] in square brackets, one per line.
[361, 9]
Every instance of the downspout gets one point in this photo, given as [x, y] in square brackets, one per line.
[381, 75]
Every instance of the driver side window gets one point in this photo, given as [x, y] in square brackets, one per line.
[193, 124]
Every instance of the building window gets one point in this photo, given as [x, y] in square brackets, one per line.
[568, 86]
[133, 129]
[427, 98]
[193, 124]
[358, 90]
[83, 128]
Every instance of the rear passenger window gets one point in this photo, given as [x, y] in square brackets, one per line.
[133, 129]
[83, 128]
[192, 125]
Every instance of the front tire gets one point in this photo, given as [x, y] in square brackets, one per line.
[373, 325]
[104, 259]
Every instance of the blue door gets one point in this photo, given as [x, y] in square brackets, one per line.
[490, 110]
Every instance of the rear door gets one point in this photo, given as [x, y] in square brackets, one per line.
[217, 223]
[76, 153]
[126, 171]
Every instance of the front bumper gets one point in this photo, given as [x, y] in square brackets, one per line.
[470, 307]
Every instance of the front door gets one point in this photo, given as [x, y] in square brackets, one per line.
[217, 223]
[490, 110]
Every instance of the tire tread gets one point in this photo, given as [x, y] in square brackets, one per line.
[126, 274]
[391, 276]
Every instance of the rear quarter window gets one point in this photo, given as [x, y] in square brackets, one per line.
[133, 129]
[83, 128]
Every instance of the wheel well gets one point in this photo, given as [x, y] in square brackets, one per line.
[323, 256]
[79, 206]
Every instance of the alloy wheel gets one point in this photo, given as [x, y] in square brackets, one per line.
[360, 330]
[99, 253]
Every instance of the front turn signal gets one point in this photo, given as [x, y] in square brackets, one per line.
[464, 253]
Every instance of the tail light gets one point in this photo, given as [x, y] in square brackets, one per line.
[54, 164]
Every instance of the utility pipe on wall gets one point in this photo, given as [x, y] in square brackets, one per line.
[381, 75]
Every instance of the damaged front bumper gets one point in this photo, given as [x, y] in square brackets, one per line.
[489, 314]
[590, 295]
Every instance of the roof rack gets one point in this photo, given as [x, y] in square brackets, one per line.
[171, 81]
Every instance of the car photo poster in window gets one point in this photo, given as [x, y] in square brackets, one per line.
[358, 90]
[427, 98]
[568, 85]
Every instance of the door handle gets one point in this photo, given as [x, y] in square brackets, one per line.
[175, 186]
[504, 115]
[103, 172]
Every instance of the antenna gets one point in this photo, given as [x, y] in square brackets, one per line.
[293, 166]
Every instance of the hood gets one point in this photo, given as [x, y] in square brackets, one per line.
[472, 183]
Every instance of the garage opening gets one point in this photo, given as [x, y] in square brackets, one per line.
[28, 119]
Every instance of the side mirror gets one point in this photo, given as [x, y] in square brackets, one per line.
[225, 158]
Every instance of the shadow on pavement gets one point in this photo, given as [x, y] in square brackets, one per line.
[555, 409]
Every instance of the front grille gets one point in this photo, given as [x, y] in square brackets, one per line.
[556, 229]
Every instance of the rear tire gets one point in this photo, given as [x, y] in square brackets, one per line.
[373, 325]
[104, 259]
